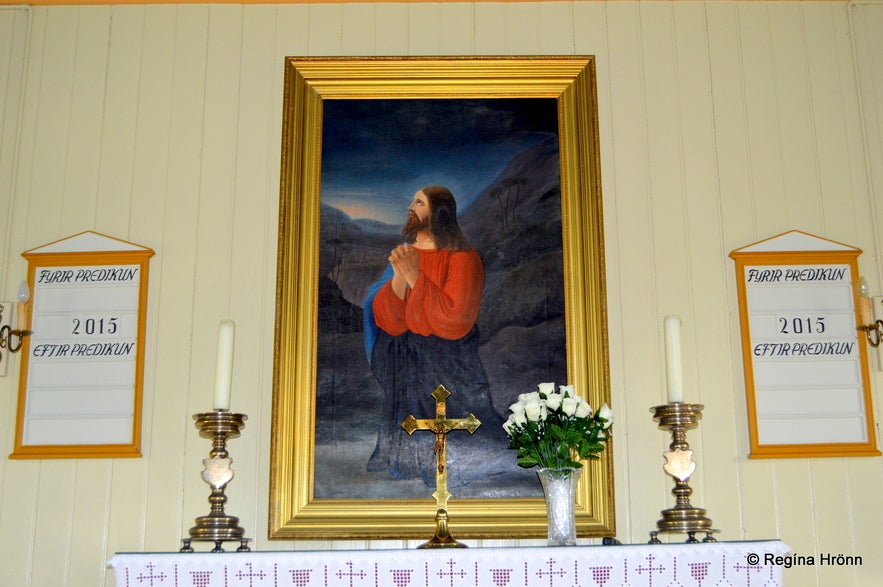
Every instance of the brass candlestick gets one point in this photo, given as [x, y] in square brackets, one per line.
[678, 418]
[217, 526]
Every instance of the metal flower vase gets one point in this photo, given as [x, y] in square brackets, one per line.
[559, 487]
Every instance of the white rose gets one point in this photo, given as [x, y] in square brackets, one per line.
[553, 401]
[546, 388]
[518, 419]
[517, 408]
[569, 405]
[567, 390]
[606, 413]
[583, 410]
[535, 411]
[526, 398]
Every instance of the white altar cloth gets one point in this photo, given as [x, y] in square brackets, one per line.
[729, 564]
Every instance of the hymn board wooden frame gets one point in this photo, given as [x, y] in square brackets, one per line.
[806, 366]
[295, 513]
[82, 369]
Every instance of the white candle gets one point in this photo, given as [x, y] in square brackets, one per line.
[224, 368]
[864, 302]
[24, 294]
[673, 375]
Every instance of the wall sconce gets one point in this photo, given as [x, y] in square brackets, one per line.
[873, 328]
[8, 335]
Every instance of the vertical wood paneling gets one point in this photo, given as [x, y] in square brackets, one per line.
[705, 271]
[490, 28]
[119, 73]
[639, 326]
[765, 142]
[55, 499]
[324, 29]
[82, 167]
[721, 123]
[13, 43]
[522, 29]
[53, 88]
[424, 29]
[865, 513]
[15, 482]
[830, 119]
[174, 271]
[390, 29]
[555, 28]
[253, 255]
[357, 30]
[793, 101]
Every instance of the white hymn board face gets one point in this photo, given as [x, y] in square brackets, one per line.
[806, 370]
[82, 375]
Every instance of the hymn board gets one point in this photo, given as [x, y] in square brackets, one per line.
[806, 365]
[82, 367]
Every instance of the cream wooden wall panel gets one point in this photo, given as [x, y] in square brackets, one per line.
[357, 30]
[174, 273]
[253, 258]
[117, 80]
[13, 42]
[830, 510]
[324, 29]
[794, 513]
[706, 272]
[731, 128]
[522, 34]
[555, 28]
[151, 135]
[425, 30]
[490, 28]
[83, 149]
[628, 164]
[19, 510]
[88, 521]
[457, 28]
[390, 29]
[292, 32]
[53, 83]
[794, 112]
[23, 480]
[55, 496]
[765, 142]
[148, 208]
[833, 115]
[867, 20]
[865, 515]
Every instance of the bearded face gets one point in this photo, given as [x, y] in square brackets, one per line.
[414, 225]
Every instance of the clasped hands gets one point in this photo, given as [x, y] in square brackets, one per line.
[405, 262]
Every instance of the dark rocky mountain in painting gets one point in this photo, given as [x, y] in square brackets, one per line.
[515, 224]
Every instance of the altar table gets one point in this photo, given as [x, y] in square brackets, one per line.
[748, 564]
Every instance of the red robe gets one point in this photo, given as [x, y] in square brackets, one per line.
[444, 300]
[427, 339]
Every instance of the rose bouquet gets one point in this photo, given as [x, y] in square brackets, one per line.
[556, 429]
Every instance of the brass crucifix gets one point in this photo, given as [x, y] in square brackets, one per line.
[440, 426]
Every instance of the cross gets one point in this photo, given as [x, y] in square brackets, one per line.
[650, 568]
[440, 426]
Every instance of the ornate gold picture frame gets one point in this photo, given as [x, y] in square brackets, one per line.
[295, 510]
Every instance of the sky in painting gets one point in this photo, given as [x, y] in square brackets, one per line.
[377, 153]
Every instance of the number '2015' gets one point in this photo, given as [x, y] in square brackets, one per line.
[95, 326]
[801, 325]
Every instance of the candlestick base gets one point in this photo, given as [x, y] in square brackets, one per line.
[218, 527]
[677, 418]
[442, 538]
